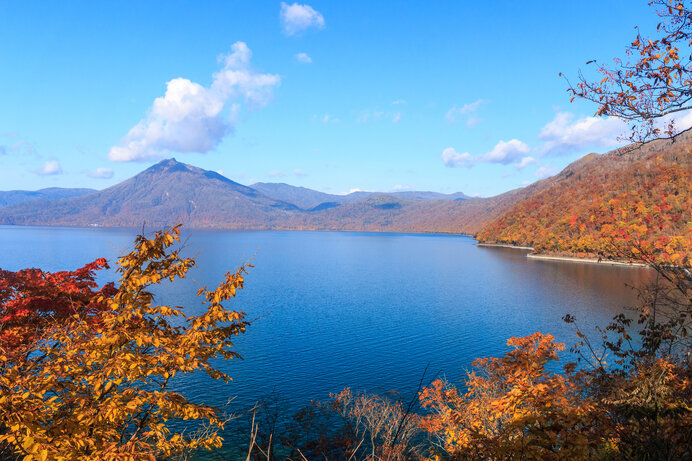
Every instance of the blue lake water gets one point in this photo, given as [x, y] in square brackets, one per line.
[369, 311]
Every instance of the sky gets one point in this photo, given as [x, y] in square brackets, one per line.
[444, 96]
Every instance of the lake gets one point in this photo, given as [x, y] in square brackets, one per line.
[370, 311]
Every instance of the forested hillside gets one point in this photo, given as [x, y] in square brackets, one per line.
[637, 195]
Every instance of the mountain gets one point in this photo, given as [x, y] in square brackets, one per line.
[171, 192]
[570, 212]
[308, 198]
[52, 193]
[635, 194]
[163, 194]
[427, 195]
[299, 196]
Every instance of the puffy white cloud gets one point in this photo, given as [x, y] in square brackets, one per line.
[564, 134]
[506, 152]
[545, 171]
[524, 162]
[455, 113]
[396, 118]
[303, 58]
[300, 173]
[400, 188]
[276, 174]
[101, 173]
[237, 80]
[452, 158]
[190, 117]
[681, 121]
[398, 101]
[50, 168]
[296, 18]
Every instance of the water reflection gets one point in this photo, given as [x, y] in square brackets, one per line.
[369, 311]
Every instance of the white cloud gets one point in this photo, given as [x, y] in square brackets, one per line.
[303, 58]
[51, 167]
[681, 121]
[396, 118]
[398, 101]
[190, 117]
[399, 188]
[506, 152]
[276, 174]
[455, 113]
[563, 134]
[545, 171]
[300, 173]
[296, 18]
[452, 158]
[524, 162]
[101, 173]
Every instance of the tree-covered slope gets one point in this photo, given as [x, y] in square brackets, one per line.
[637, 198]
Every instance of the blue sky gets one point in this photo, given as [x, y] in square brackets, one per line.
[335, 96]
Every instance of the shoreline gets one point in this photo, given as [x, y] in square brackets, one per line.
[574, 259]
[569, 259]
[503, 245]
[530, 250]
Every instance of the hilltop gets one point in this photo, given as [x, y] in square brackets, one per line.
[642, 195]
[170, 192]
[574, 212]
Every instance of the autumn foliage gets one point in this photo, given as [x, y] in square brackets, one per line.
[513, 407]
[642, 206]
[99, 389]
[652, 85]
[629, 396]
[32, 301]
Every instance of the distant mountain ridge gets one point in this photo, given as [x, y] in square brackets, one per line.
[308, 198]
[12, 197]
[170, 192]
[166, 193]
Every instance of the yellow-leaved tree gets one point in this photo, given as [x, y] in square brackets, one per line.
[100, 389]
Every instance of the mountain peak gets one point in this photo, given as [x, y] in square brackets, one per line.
[171, 165]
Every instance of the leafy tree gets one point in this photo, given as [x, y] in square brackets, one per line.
[645, 395]
[652, 88]
[100, 389]
[514, 408]
[32, 300]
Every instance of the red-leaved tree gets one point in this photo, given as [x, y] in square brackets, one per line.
[32, 300]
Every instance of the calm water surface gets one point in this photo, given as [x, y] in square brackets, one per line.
[369, 311]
